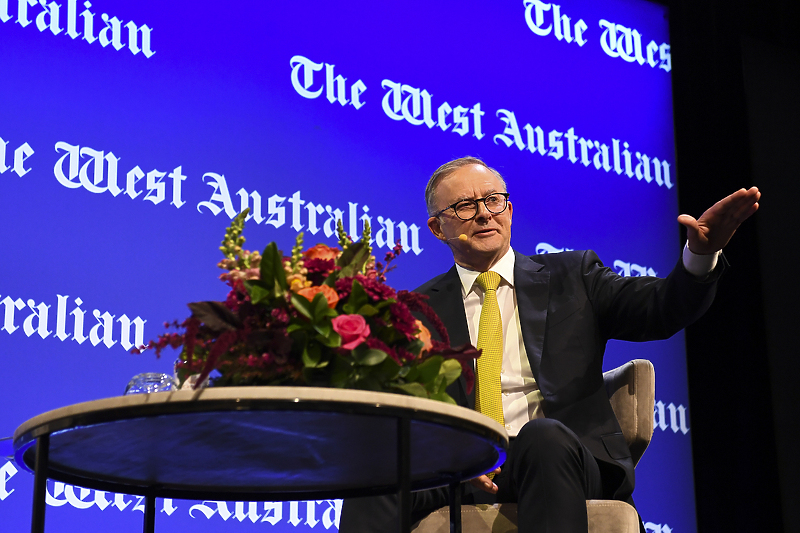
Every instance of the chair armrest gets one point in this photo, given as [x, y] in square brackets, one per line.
[631, 391]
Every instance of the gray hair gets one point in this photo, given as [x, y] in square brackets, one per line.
[447, 169]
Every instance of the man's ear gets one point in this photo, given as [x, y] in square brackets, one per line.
[436, 228]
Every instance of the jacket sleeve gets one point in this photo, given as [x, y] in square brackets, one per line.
[645, 308]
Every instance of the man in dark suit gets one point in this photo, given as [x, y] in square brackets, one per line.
[557, 313]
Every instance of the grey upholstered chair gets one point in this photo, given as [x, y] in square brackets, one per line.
[631, 389]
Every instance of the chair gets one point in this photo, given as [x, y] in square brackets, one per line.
[631, 390]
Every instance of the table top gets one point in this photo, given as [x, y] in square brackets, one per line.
[254, 443]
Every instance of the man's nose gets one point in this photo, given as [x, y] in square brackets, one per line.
[483, 213]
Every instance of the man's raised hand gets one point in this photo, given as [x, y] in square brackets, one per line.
[712, 231]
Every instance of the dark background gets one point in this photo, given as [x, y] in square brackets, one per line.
[736, 69]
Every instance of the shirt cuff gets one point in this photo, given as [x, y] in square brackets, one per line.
[699, 265]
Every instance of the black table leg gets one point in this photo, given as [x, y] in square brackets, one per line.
[149, 513]
[455, 507]
[40, 483]
[404, 472]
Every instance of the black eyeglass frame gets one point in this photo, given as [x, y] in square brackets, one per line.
[477, 207]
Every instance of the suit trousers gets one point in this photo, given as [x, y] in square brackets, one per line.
[548, 472]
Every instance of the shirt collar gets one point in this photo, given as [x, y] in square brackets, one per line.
[504, 267]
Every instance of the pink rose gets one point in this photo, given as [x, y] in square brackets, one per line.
[353, 329]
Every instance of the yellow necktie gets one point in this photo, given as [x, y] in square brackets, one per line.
[490, 340]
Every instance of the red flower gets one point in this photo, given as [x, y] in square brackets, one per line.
[417, 302]
[343, 287]
[353, 329]
[376, 290]
[405, 354]
[280, 317]
[403, 321]
[320, 266]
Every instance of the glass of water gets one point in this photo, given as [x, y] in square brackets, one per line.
[151, 382]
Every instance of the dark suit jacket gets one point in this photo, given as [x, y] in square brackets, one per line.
[570, 305]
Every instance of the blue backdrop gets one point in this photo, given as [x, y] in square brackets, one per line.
[132, 132]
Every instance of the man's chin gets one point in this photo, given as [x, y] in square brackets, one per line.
[487, 242]
[488, 249]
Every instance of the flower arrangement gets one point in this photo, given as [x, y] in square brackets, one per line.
[324, 317]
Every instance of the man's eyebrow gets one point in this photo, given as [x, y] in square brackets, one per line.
[485, 194]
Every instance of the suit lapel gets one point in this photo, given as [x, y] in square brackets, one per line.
[445, 298]
[532, 287]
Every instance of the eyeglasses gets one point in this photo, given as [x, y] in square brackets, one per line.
[495, 203]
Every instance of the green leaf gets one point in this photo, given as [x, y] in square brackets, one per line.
[303, 306]
[450, 369]
[357, 299]
[415, 346]
[385, 303]
[319, 307]
[272, 273]
[267, 268]
[258, 293]
[330, 281]
[368, 382]
[294, 327]
[367, 310]
[414, 389]
[331, 340]
[443, 397]
[352, 259]
[312, 356]
[438, 385]
[368, 356]
[429, 369]
[386, 371]
[342, 372]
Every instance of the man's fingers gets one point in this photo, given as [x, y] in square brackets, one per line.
[739, 203]
[712, 231]
[730, 212]
[747, 208]
[745, 201]
[484, 483]
[731, 216]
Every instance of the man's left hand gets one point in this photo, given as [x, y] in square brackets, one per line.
[712, 231]
[484, 483]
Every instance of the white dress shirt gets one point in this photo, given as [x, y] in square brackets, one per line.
[521, 396]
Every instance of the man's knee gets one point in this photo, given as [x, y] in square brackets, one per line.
[545, 439]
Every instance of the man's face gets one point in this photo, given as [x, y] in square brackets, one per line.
[488, 234]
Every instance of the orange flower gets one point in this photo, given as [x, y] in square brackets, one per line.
[425, 336]
[321, 251]
[328, 292]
